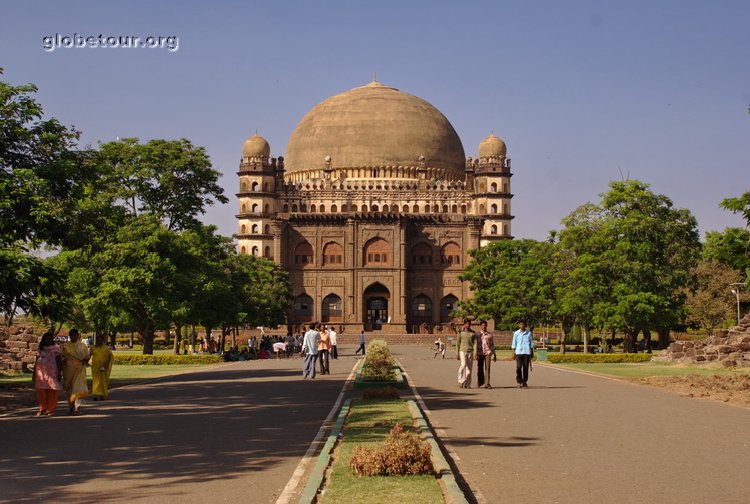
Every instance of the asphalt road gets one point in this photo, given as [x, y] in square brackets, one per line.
[577, 438]
[231, 433]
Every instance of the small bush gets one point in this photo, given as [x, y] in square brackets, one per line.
[379, 363]
[380, 393]
[598, 358]
[401, 454]
[140, 360]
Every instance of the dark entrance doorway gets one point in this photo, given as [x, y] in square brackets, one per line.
[376, 307]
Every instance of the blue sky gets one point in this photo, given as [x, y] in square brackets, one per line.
[583, 92]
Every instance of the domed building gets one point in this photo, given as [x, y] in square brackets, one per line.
[373, 210]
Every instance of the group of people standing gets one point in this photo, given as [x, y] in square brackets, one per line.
[63, 367]
[318, 344]
[479, 346]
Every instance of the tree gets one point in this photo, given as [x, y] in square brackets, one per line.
[512, 280]
[711, 304]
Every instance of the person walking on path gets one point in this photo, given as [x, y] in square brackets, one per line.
[324, 347]
[310, 351]
[332, 336]
[523, 349]
[47, 375]
[101, 368]
[466, 352]
[75, 357]
[361, 343]
[439, 348]
[485, 356]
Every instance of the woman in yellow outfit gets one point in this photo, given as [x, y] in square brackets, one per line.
[76, 356]
[101, 368]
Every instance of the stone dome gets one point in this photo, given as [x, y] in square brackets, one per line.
[375, 126]
[256, 146]
[492, 146]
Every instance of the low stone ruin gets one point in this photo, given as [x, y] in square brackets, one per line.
[730, 347]
[18, 348]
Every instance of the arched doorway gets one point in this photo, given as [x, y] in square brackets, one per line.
[421, 312]
[331, 311]
[376, 298]
[447, 306]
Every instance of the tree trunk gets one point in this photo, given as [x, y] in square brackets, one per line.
[177, 338]
[113, 339]
[234, 336]
[148, 341]
[130, 343]
[628, 343]
[586, 334]
[193, 338]
[647, 340]
[168, 336]
[663, 337]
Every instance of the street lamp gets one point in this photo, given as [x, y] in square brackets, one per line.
[736, 292]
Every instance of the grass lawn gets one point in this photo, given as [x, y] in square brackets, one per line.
[646, 369]
[368, 424]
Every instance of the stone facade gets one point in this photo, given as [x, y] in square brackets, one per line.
[375, 213]
[730, 347]
[18, 348]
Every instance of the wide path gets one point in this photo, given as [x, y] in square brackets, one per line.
[573, 438]
[230, 433]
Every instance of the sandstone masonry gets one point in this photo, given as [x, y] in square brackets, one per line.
[730, 347]
[18, 348]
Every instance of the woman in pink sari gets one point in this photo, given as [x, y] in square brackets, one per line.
[47, 374]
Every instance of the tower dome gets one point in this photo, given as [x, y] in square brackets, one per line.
[256, 146]
[492, 146]
[374, 126]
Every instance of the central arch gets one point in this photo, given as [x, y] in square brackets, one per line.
[376, 298]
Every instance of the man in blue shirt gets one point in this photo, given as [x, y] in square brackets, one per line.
[310, 351]
[523, 348]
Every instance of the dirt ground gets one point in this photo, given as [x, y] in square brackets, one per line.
[733, 389]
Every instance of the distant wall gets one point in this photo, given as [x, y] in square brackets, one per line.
[18, 348]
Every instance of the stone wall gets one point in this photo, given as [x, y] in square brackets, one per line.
[730, 347]
[18, 348]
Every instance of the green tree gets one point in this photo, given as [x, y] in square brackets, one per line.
[512, 280]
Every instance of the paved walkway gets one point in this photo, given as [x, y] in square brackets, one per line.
[231, 433]
[236, 433]
[573, 438]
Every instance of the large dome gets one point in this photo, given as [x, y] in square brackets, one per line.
[374, 126]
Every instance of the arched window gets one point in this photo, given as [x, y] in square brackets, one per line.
[447, 306]
[493, 229]
[481, 187]
[244, 187]
[505, 208]
[505, 230]
[286, 208]
[405, 209]
[451, 254]
[244, 208]
[364, 208]
[294, 208]
[335, 208]
[243, 229]
[463, 209]
[421, 254]
[454, 209]
[267, 229]
[415, 209]
[322, 209]
[493, 187]
[243, 250]
[377, 252]
[312, 208]
[354, 208]
[303, 208]
[505, 187]
[374, 208]
[332, 309]
[302, 310]
[333, 255]
[267, 253]
[255, 251]
[255, 187]
[303, 254]
[265, 186]
[255, 229]
[255, 208]
[493, 209]
[386, 208]
[266, 209]
[421, 310]
[445, 208]
[481, 209]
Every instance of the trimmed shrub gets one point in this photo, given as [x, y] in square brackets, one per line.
[611, 358]
[379, 363]
[401, 454]
[380, 393]
[141, 360]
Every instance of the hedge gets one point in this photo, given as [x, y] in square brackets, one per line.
[140, 360]
[609, 358]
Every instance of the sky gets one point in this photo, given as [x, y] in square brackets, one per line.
[582, 92]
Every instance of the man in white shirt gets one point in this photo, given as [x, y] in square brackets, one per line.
[310, 351]
[332, 336]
